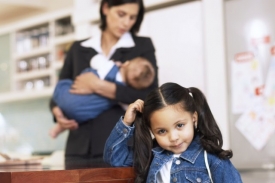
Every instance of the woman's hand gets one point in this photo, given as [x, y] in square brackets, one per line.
[63, 121]
[130, 114]
[85, 84]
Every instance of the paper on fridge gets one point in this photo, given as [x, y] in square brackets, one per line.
[246, 81]
[269, 89]
[257, 124]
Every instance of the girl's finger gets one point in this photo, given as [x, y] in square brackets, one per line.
[140, 105]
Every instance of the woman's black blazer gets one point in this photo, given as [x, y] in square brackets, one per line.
[89, 138]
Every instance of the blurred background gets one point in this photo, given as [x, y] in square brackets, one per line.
[224, 47]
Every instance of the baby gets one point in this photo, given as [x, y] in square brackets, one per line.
[137, 73]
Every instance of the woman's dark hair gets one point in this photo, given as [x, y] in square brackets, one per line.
[191, 100]
[111, 3]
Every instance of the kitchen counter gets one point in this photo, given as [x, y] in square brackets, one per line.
[87, 175]
[74, 170]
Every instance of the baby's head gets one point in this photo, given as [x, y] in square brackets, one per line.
[139, 73]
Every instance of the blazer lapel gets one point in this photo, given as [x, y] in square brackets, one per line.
[87, 53]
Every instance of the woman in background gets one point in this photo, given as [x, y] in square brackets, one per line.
[117, 41]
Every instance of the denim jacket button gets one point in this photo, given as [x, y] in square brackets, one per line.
[125, 131]
[175, 179]
[198, 179]
[178, 162]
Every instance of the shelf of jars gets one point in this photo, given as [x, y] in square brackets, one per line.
[63, 39]
[39, 52]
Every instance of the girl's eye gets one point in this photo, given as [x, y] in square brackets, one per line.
[161, 131]
[180, 125]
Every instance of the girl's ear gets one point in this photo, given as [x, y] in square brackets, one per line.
[105, 8]
[152, 135]
[195, 119]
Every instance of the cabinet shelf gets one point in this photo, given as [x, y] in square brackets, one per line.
[58, 64]
[35, 52]
[64, 39]
[38, 51]
[33, 74]
[25, 95]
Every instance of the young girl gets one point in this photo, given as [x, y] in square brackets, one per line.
[187, 142]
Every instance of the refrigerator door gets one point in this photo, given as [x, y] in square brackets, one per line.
[250, 36]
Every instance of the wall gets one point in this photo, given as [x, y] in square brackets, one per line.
[178, 43]
[30, 122]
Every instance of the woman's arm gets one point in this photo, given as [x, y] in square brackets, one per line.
[89, 83]
[62, 120]
[66, 72]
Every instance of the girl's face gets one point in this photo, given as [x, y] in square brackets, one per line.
[173, 128]
[120, 19]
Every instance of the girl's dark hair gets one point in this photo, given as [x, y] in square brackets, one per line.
[111, 3]
[172, 94]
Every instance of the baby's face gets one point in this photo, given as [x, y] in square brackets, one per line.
[134, 73]
[139, 73]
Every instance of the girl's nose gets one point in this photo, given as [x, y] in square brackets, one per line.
[174, 136]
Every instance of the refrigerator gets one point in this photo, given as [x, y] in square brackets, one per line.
[250, 40]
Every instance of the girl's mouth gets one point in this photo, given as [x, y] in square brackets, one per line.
[177, 146]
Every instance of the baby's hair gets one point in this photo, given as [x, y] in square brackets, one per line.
[191, 100]
[147, 75]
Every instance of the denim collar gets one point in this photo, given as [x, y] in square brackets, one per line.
[191, 153]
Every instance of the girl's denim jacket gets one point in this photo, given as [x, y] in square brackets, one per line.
[189, 167]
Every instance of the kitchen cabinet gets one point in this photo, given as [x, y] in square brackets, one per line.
[37, 52]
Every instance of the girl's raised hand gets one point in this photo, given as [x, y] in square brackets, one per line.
[130, 114]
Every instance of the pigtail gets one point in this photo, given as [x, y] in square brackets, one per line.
[207, 128]
[142, 149]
